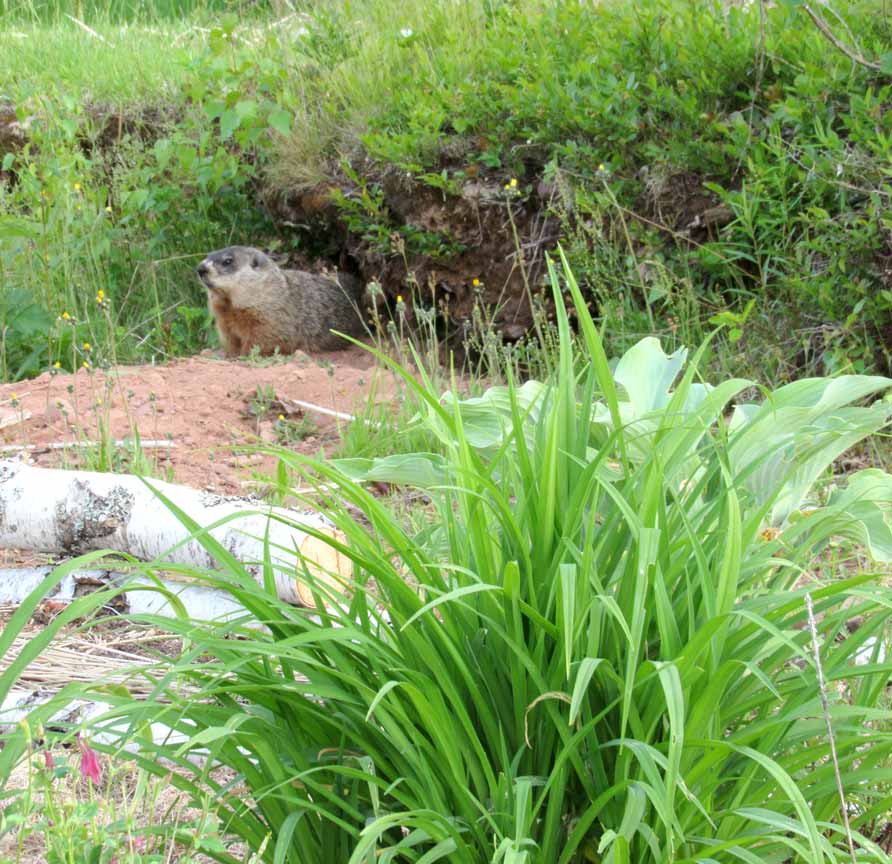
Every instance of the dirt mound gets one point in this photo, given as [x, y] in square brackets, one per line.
[202, 406]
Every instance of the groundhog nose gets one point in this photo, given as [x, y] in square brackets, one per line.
[203, 269]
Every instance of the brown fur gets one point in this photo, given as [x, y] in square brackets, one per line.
[257, 304]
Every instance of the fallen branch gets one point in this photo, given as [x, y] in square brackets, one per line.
[18, 704]
[853, 55]
[65, 445]
[67, 513]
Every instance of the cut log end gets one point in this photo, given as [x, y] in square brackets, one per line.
[325, 564]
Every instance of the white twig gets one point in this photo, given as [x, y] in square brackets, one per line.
[64, 445]
[15, 419]
[823, 688]
[329, 412]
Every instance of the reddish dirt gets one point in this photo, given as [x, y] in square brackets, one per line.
[202, 405]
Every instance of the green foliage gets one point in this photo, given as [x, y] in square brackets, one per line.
[130, 220]
[104, 11]
[595, 648]
[782, 129]
[626, 111]
[365, 214]
[111, 824]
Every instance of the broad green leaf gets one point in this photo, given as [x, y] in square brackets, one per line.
[862, 511]
[280, 120]
[423, 470]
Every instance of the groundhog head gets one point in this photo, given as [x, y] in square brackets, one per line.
[236, 270]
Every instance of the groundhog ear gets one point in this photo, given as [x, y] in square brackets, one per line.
[256, 261]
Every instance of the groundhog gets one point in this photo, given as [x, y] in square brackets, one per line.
[257, 304]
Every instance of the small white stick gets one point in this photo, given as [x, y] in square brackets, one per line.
[64, 445]
[823, 688]
[329, 412]
[340, 415]
[15, 419]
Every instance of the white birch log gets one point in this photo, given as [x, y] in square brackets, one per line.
[70, 512]
[200, 602]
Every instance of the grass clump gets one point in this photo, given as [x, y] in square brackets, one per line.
[594, 649]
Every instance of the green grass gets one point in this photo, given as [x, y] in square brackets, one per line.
[125, 66]
[594, 649]
[115, 11]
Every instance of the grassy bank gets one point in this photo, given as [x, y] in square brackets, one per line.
[701, 164]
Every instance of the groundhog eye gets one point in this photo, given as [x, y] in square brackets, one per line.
[227, 261]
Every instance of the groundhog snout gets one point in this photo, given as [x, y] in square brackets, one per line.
[203, 269]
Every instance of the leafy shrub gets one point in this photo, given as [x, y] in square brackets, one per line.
[779, 126]
[129, 219]
[595, 648]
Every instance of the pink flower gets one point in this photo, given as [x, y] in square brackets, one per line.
[48, 761]
[89, 761]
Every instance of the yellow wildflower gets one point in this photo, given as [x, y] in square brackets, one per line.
[87, 346]
[66, 316]
[399, 298]
[77, 187]
[475, 283]
[513, 183]
[601, 167]
[85, 364]
[281, 417]
[57, 365]
[108, 210]
[15, 397]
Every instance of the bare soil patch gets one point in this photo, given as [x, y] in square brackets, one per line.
[203, 406]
